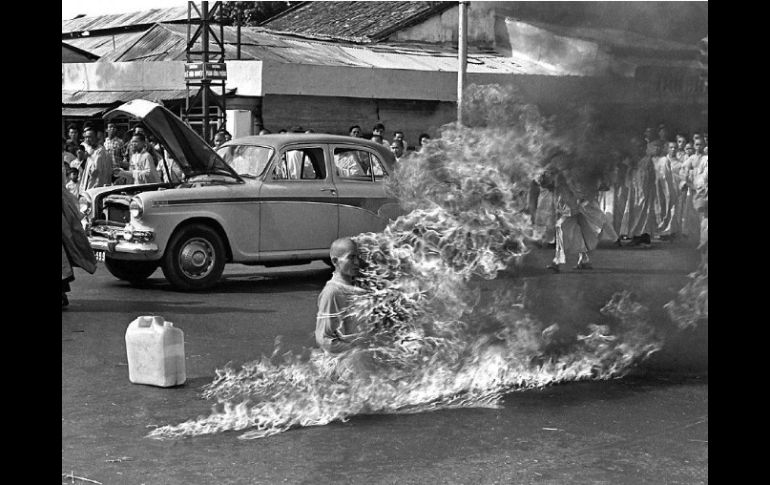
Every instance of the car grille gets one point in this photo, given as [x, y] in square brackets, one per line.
[117, 214]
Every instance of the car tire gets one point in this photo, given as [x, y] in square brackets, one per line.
[132, 271]
[194, 258]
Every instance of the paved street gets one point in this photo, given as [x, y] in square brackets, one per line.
[649, 427]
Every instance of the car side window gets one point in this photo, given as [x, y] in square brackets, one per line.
[300, 164]
[353, 164]
[378, 168]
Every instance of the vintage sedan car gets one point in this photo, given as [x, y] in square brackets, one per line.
[266, 200]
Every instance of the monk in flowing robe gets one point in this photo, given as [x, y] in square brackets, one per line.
[542, 209]
[700, 178]
[674, 226]
[639, 217]
[613, 192]
[691, 221]
[581, 221]
[620, 187]
[666, 193]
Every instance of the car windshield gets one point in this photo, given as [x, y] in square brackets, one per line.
[247, 160]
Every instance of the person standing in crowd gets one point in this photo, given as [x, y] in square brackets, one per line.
[647, 135]
[397, 148]
[639, 215]
[423, 140]
[692, 167]
[681, 143]
[667, 193]
[75, 249]
[97, 168]
[378, 131]
[141, 168]
[619, 180]
[399, 135]
[581, 223]
[73, 140]
[695, 137]
[115, 146]
[219, 139]
[700, 182]
[72, 182]
[355, 131]
[66, 157]
[542, 210]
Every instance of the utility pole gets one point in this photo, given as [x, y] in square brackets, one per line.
[200, 71]
[462, 57]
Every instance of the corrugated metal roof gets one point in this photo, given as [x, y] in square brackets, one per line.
[167, 42]
[353, 21]
[132, 19]
[100, 45]
[111, 97]
[73, 54]
[91, 111]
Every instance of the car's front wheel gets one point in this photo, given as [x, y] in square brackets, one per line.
[195, 258]
[132, 271]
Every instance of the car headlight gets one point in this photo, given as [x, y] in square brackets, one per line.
[85, 203]
[136, 208]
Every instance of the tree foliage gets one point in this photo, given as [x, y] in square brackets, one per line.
[251, 13]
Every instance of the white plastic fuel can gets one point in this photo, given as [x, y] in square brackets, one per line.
[155, 350]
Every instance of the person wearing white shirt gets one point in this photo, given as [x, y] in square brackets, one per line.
[96, 170]
[141, 169]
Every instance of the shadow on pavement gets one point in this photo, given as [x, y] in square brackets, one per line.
[248, 283]
[155, 307]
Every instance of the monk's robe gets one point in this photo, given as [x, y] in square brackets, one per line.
[639, 215]
[690, 219]
[666, 197]
[581, 222]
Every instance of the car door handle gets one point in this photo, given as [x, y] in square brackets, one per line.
[329, 189]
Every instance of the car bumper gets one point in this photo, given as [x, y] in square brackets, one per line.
[139, 250]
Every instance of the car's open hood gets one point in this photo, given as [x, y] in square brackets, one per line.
[190, 151]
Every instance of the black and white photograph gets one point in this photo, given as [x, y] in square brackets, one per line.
[384, 242]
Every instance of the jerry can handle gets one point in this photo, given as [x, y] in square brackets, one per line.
[146, 321]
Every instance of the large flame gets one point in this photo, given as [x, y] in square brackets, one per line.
[435, 340]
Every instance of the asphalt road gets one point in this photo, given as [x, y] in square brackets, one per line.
[649, 427]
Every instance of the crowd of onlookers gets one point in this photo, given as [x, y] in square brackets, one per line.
[93, 158]
[651, 191]
[656, 190]
[398, 146]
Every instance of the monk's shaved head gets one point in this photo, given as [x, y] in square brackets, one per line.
[342, 246]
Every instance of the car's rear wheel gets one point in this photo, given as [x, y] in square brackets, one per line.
[132, 271]
[195, 258]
